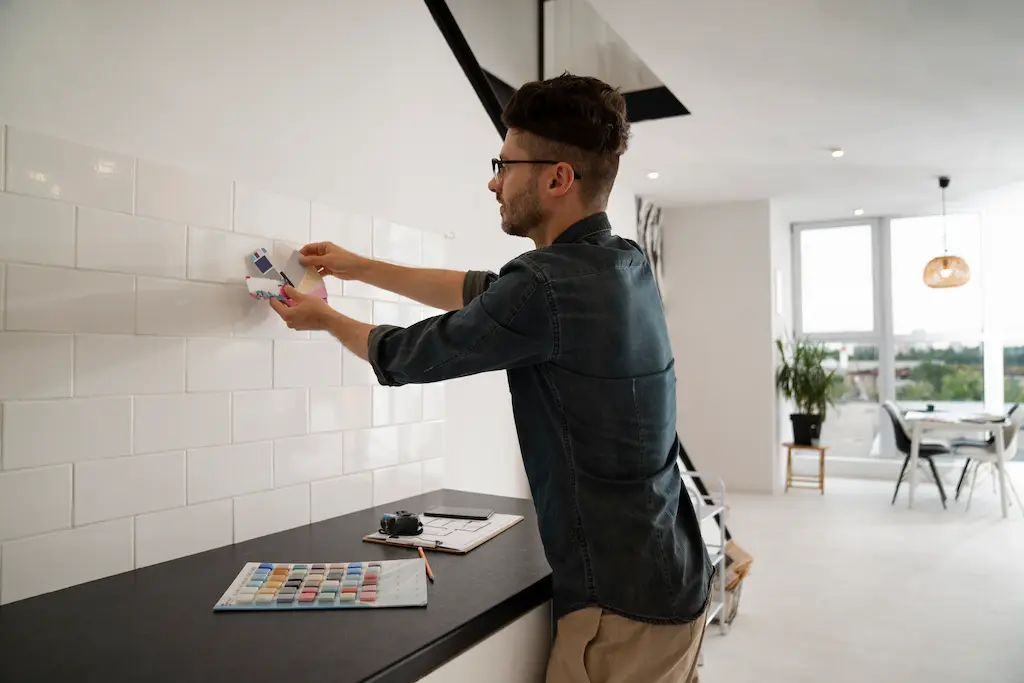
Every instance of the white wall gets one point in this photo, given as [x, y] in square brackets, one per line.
[718, 267]
[229, 118]
[780, 227]
[622, 211]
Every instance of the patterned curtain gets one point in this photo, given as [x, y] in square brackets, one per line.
[648, 230]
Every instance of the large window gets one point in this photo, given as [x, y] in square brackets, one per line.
[860, 291]
[918, 310]
[830, 303]
[850, 427]
[940, 376]
[1013, 374]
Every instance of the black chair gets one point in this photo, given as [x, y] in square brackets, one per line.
[927, 450]
[975, 443]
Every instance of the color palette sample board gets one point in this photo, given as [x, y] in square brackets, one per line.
[451, 535]
[327, 585]
[282, 267]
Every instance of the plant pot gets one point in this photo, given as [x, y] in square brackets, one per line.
[806, 429]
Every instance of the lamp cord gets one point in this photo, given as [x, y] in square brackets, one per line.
[945, 239]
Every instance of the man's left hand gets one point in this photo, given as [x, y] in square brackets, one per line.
[307, 312]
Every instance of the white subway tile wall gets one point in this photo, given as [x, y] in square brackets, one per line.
[44, 299]
[44, 166]
[342, 495]
[113, 364]
[162, 536]
[150, 408]
[307, 363]
[227, 471]
[219, 256]
[398, 243]
[38, 231]
[268, 214]
[333, 409]
[395, 483]
[128, 244]
[50, 357]
[175, 195]
[119, 487]
[433, 474]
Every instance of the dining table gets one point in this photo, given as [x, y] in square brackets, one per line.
[923, 422]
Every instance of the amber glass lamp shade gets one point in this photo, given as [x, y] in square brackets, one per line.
[947, 271]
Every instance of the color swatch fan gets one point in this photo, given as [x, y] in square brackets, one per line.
[290, 271]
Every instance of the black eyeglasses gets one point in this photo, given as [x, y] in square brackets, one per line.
[498, 165]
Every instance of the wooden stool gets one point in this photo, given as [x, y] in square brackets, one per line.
[801, 481]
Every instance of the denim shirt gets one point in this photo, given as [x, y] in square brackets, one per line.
[580, 329]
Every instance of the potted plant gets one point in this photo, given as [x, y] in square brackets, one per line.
[802, 378]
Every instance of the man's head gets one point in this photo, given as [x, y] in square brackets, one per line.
[576, 128]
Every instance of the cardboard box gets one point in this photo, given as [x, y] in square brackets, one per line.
[737, 566]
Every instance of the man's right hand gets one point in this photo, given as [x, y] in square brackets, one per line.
[330, 259]
[434, 287]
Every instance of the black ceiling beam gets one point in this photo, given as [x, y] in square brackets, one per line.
[653, 103]
[493, 93]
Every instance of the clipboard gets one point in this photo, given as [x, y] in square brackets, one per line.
[450, 535]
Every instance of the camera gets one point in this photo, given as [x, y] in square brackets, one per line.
[401, 523]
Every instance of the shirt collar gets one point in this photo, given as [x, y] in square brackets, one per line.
[592, 224]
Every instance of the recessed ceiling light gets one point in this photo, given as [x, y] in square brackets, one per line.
[858, 212]
[837, 153]
[653, 175]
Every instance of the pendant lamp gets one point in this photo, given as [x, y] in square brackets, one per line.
[946, 271]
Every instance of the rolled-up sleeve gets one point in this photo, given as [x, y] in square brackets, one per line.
[506, 324]
[476, 282]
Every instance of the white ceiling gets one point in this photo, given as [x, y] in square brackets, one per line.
[910, 89]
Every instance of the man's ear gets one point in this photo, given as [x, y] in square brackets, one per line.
[562, 180]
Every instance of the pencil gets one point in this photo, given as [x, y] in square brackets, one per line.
[430, 573]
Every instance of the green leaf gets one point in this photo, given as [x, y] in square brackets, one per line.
[801, 378]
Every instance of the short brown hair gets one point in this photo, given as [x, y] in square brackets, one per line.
[577, 119]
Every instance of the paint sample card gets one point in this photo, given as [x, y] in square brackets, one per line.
[326, 585]
[306, 280]
[303, 278]
[264, 288]
[281, 267]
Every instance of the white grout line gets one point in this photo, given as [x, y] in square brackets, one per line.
[131, 426]
[273, 457]
[3, 158]
[231, 213]
[135, 186]
[3, 293]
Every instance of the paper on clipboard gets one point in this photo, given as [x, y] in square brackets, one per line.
[451, 535]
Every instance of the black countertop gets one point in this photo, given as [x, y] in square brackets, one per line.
[157, 624]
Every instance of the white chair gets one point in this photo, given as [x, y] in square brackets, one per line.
[985, 453]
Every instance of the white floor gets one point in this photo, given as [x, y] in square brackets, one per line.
[845, 587]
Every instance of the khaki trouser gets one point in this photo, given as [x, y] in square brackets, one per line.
[595, 646]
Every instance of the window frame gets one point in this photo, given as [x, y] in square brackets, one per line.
[854, 337]
[880, 288]
[883, 336]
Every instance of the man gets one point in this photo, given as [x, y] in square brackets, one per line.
[579, 327]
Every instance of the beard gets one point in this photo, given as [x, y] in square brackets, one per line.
[523, 214]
